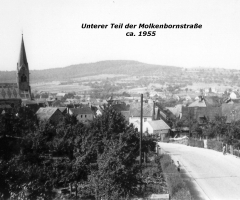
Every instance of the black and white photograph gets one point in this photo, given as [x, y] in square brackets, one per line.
[119, 100]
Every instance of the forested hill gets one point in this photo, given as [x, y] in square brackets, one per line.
[102, 67]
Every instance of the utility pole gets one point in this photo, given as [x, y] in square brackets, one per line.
[141, 126]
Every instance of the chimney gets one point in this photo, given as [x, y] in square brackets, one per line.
[153, 115]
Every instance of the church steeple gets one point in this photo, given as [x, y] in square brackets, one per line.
[22, 56]
[23, 70]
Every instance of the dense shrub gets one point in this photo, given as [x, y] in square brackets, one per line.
[215, 145]
[196, 143]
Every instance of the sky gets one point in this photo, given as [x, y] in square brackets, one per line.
[54, 37]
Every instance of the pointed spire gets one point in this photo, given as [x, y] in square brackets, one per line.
[22, 57]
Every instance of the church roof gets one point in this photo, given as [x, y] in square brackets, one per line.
[11, 91]
[22, 56]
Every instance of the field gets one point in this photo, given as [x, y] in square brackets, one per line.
[56, 87]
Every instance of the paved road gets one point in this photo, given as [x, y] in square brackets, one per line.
[209, 174]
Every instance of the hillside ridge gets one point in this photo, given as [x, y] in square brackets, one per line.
[128, 67]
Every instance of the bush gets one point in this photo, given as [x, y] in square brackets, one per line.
[215, 145]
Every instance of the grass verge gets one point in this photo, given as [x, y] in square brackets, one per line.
[177, 188]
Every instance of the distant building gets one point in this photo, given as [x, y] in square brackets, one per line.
[60, 96]
[135, 112]
[49, 114]
[202, 109]
[84, 114]
[234, 95]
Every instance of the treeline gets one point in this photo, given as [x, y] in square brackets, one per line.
[97, 159]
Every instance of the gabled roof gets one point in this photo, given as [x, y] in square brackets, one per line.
[158, 125]
[62, 109]
[198, 103]
[81, 111]
[120, 107]
[57, 103]
[46, 113]
[175, 110]
[213, 101]
[135, 110]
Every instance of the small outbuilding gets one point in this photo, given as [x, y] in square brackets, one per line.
[157, 128]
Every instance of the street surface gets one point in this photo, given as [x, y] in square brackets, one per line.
[209, 174]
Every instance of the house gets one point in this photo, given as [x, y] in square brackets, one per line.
[156, 128]
[234, 95]
[57, 103]
[84, 114]
[49, 114]
[202, 109]
[135, 112]
[60, 96]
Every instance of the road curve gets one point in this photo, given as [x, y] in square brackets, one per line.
[209, 174]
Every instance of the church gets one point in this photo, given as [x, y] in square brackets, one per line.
[12, 94]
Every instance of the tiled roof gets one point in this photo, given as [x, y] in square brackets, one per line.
[79, 111]
[135, 110]
[213, 101]
[120, 107]
[158, 125]
[46, 113]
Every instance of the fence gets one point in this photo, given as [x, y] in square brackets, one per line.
[209, 144]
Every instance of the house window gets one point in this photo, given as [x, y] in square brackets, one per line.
[81, 116]
[85, 116]
[145, 119]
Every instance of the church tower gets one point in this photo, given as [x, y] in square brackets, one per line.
[23, 71]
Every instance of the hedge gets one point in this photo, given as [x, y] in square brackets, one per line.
[196, 143]
[176, 186]
[215, 145]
